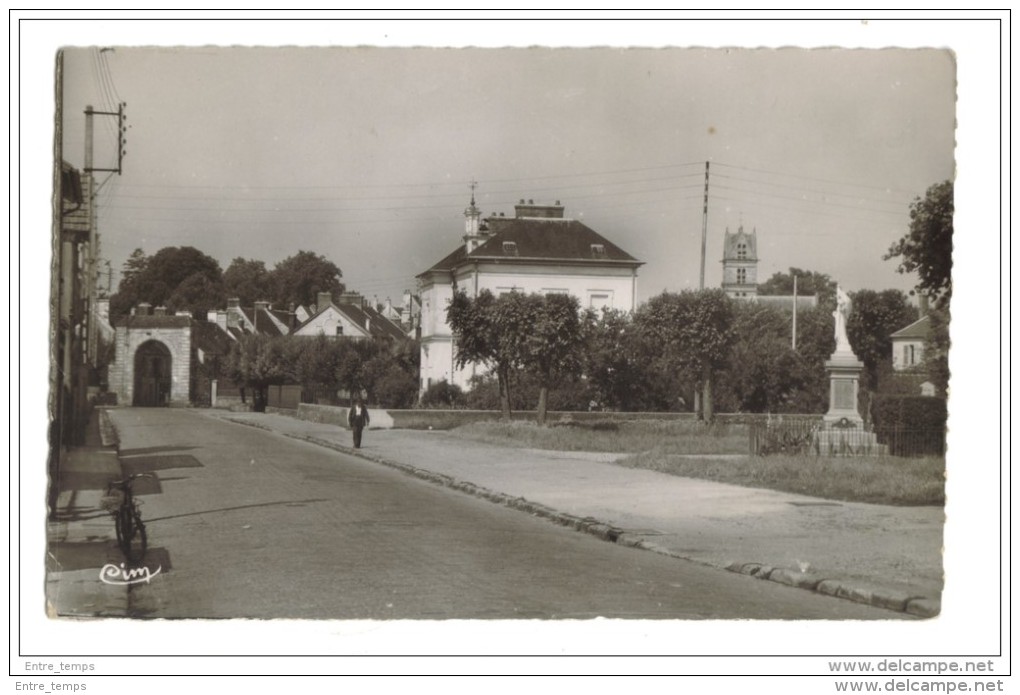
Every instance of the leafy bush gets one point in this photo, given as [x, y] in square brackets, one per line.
[910, 425]
[443, 395]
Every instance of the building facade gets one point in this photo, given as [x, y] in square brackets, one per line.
[740, 264]
[538, 250]
[908, 345]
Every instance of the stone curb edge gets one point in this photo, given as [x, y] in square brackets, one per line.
[919, 606]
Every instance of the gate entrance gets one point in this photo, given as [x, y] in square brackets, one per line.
[152, 374]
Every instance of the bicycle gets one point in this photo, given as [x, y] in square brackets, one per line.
[122, 505]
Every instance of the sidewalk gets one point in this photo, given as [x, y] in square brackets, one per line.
[80, 541]
[885, 556]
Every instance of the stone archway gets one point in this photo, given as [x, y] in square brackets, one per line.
[153, 374]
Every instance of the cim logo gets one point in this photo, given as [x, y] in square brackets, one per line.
[112, 574]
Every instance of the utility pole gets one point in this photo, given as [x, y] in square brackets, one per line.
[92, 253]
[704, 230]
[794, 311]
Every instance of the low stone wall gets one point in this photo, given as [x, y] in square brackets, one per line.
[423, 419]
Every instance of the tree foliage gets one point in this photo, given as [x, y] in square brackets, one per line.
[155, 279]
[249, 281]
[298, 279]
[874, 316]
[809, 282]
[927, 248]
[258, 361]
[694, 332]
[766, 374]
[552, 345]
[936, 351]
[538, 334]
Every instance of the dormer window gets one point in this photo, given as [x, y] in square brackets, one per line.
[510, 248]
[598, 250]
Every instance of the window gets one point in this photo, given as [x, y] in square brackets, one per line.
[599, 301]
[510, 248]
[741, 250]
[908, 355]
[598, 250]
[339, 330]
[742, 275]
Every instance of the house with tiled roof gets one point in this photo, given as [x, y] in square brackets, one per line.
[537, 250]
[350, 316]
[908, 344]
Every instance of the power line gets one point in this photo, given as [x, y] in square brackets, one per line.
[885, 201]
[815, 178]
[901, 213]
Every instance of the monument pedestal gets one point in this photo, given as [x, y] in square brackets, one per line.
[844, 376]
[843, 434]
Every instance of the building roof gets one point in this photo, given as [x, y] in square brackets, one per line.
[207, 336]
[918, 330]
[804, 301]
[731, 241]
[543, 240]
[153, 321]
[262, 321]
[378, 325]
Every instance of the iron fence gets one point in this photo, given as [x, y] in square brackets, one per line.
[817, 438]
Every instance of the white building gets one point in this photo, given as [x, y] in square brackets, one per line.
[537, 250]
[908, 344]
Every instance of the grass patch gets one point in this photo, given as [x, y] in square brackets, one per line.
[670, 446]
[873, 479]
[612, 436]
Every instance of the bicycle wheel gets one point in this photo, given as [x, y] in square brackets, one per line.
[131, 534]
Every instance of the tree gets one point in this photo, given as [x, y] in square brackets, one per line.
[298, 279]
[552, 342]
[936, 350]
[874, 316]
[765, 373]
[248, 280]
[927, 248]
[477, 340]
[154, 279]
[197, 294]
[808, 283]
[694, 330]
[258, 361]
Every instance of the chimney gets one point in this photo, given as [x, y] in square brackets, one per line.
[262, 305]
[221, 319]
[922, 304]
[368, 325]
[323, 300]
[234, 313]
[144, 308]
[159, 311]
[291, 317]
[543, 211]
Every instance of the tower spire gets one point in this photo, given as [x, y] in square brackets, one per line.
[472, 222]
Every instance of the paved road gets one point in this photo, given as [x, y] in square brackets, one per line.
[247, 523]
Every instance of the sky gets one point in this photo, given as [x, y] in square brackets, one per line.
[366, 154]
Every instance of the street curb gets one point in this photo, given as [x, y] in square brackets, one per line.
[918, 606]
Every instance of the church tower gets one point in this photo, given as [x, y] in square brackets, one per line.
[740, 264]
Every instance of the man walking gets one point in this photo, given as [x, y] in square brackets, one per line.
[357, 419]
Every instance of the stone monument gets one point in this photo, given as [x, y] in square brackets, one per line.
[844, 371]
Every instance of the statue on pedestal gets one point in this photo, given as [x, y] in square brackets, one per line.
[841, 314]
